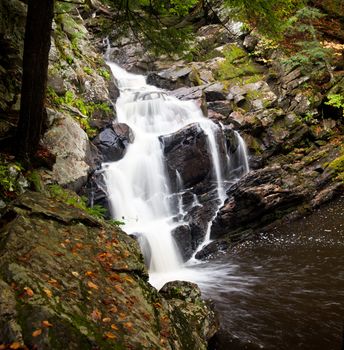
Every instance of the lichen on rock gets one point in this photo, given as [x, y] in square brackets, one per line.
[71, 281]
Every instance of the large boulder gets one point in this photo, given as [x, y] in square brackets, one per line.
[70, 281]
[186, 152]
[69, 143]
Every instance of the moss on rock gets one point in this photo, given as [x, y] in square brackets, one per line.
[70, 281]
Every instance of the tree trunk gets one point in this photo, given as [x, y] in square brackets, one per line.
[35, 73]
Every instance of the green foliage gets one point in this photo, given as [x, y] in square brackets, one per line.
[71, 198]
[269, 17]
[86, 108]
[104, 73]
[115, 222]
[336, 100]
[309, 51]
[159, 25]
[88, 70]
[12, 181]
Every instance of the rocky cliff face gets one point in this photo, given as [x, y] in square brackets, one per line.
[70, 281]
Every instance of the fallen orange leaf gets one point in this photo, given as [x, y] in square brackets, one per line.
[15, 345]
[37, 332]
[53, 282]
[128, 325]
[96, 314]
[114, 327]
[109, 335]
[46, 324]
[113, 309]
[92, 285]
[122, 315]
[116, 277]
[129, 279]
[29, 291]
[48, 292]
[119, 288]
[89, 273]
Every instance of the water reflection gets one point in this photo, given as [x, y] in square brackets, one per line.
[285, 290]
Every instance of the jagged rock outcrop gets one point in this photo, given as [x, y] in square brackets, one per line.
[187, 153]
[257, 199]
[70, 281]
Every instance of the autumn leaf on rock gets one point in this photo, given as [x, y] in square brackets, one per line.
[46, 324]
[92, 285]
[96, 315]
[28, 291]
[113, 309]
[48, 292]
[129, 279]
[37, 332]
[53, 282]
[89, 274]
[128, 326]
[115, 277]
[119, 288]
[109, 335]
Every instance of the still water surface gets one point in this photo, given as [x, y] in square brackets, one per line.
[286, 289]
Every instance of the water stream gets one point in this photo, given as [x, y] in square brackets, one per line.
[138, 185]
[285, 290]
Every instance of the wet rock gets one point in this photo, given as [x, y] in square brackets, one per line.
[258, 198]
[213, 249]
[232, 142]
[183, 239]
[112, 142]
[186, 151]
[85, 256]
[199, 217]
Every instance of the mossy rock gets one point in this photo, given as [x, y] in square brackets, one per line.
[71, 281]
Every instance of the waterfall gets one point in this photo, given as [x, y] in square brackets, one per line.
[138, 185]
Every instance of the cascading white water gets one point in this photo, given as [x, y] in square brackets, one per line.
[138, 186]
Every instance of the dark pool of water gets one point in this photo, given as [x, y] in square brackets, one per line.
[285, 290]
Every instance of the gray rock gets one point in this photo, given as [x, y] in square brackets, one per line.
[250, 42]
[70, 144]
[215, 92]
